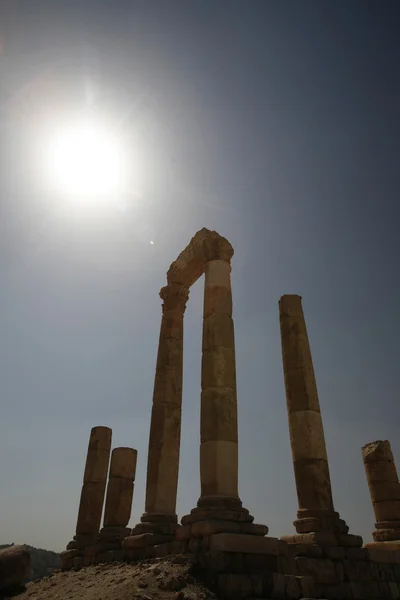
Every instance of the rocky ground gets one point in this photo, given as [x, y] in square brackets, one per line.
[159, 579]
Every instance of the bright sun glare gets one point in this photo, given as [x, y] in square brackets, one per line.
[86, 161]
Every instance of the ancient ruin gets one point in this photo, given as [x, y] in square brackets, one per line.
[239, 560]
[384, 487]
[316, 517]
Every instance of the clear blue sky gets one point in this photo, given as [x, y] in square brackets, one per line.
[275, 123]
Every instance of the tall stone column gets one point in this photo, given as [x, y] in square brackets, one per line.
[219, 425]
[316, 512]
[219, 508]
[93, 491]
[165, 429]
[384, 487]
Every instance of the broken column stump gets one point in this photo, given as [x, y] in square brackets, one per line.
[384, 487]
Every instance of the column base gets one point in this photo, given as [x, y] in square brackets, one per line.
[153, 529]
[387, 531]
[385, 546]
[215, 514]
[309, 521]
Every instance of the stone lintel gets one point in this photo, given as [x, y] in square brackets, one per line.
[246, 544]
[205, 246]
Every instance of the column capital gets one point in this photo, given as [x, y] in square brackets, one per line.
[174, 297]
[216, 247]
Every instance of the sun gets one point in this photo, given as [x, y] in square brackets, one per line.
[85, 160]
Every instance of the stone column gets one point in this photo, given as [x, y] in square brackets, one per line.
[316, 512]
[92, 495]
[219, 426]
[165, 428]
[384, 488]
[119, 497]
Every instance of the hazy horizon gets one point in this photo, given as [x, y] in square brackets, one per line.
[275, 124]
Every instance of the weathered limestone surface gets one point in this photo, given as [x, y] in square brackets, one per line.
[92, 495]
[94, 481]
[120, 487]
[219, 427]
[384, 487]
[165, 428]
[316, 511]
[15, 568]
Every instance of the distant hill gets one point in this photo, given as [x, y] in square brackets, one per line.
[43, 562]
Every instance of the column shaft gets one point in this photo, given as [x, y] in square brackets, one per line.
[384, 487]
[165, 428]
[307, 438]
[219, 427]
[119, 497]
[94, 482]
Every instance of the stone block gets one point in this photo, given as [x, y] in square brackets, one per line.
[386, 490]
[394, 590]
[336, 552]
[199, 514]
[219, 468]
[144, 539]
[387, 510]
[356, 553]
[278, 586]
[218, 368]
[306, 436]
[98, 455]
[90, 508]
[234, 586]
[287, 565]
[385, 571]
[67, 559]
[218, 330]
[254, 529]
[292, 587]
[387, 535]
[123, 463]
[78, 562]
[306, 586]
[233, 542]
[339, 571]
[380, 471]
[350, 541]
[311, 550]
[159, 528]
[396, 572]
[118, 502]
[321, 538]
[376, 451]
[259, 563]
[212, 526]
[321, 570]
[183, 532]
[380, 555]
[356, 570]
[338, 591]
[218, 415]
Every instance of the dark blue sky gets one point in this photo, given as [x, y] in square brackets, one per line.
[275, 123]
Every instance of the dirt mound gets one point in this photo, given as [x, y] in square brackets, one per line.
[159, 579]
